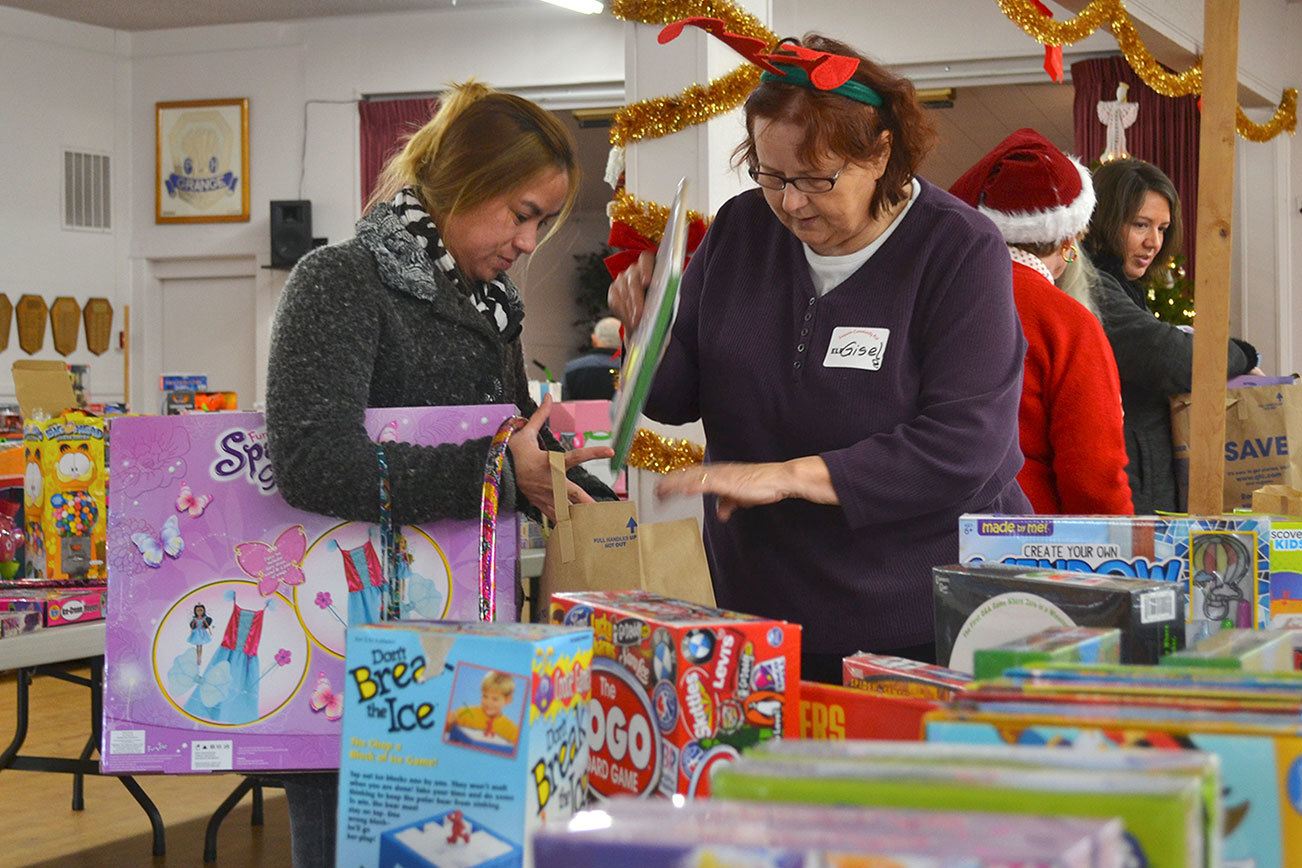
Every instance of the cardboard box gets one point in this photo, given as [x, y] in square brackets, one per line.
[832, 713]
[898, 676]
[1065, 644]
[1251, 650]
[57, 606]
[208, 566]
[458, 740]
[984, 606]
[679, 688]
[65, 496]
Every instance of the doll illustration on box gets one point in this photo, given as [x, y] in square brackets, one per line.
[200, 631]
[485, 725]
[421, 597]
[228, 687]
[365, 578]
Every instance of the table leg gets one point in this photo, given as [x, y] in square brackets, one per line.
[24, 679]
[96, 685]
[256, 819]
[151, 811]
[215, 822]
[79, 779]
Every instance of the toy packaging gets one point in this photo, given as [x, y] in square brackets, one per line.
[984, 606]
[1067, 644]
[1286, 573]
[1260, 760]
[58, 603]
[20, 622]
[718, 833]
[1222, 563]
[679, 688]
[1162, 813]
[834, 713]
[1251, 650]
[226, 633]
[899, 676]
[458, 740]
[65, 496]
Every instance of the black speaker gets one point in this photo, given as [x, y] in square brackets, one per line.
[291, 231]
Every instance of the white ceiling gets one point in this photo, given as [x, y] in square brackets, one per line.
[166, 14]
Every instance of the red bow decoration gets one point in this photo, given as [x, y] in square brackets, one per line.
[1052, 53]
[826, 71]
[630, 243]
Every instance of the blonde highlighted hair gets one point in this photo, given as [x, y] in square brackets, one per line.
[480, 144]
[499, 682]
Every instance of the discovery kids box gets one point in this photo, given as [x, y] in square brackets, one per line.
[458, 740]
[226, 634]
[1222, 563]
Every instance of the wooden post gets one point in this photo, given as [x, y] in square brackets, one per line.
[1212, 284]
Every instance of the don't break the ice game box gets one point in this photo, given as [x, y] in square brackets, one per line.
[225, 639]
[458, 740]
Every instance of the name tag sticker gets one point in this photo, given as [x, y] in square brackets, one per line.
[857, 347]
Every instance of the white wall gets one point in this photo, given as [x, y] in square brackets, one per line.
[65, 86]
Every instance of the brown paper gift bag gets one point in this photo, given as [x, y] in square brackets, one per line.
[602, 547]
[1260, 422]
[1277, 500]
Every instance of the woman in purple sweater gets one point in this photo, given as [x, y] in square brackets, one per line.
[848, 337]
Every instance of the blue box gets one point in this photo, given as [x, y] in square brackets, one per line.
[484, 721]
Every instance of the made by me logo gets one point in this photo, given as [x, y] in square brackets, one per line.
[1015, 527]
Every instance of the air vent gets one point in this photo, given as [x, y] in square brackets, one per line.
[86, 203]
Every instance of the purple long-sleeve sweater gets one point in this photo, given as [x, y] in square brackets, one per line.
[929, 434]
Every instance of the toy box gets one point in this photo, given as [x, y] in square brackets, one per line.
[984, 606]
[1286, 573]
[899, 676]
[587, 423]
[1163, 813]
[226, 633]
[1252, 650]
[755, 834]
[57, 604]
[1260, 758]
[1068, 644]
[65, 496]
[458, 740]
[679, 688]
[836, 713]
[1222, 563]
[20, 622]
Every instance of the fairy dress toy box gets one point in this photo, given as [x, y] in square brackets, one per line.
[459, 738]
[225, 637]
[679, 688]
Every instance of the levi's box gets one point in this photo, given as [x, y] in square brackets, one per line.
[458, 740]
[832, 713]
[679, 688]
[1222, 563]
[1053, 644]
[900, 676]
[226, 637]
[984, 606]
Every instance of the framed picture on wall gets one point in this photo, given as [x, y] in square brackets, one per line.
[202, 161]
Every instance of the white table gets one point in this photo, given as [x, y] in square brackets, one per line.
[52, 645]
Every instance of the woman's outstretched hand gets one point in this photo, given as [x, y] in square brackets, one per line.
[533, 470]
[627, 294]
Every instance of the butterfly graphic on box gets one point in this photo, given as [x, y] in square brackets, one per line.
[273, 563]
[188, 501]
[324, 699]
[167, 542]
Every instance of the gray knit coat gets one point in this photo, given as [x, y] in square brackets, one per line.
[370, 322]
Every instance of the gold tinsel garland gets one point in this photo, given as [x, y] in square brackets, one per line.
[1113, 15]
[665, 115]
[646, 218]
[659, 454]
[738, 20]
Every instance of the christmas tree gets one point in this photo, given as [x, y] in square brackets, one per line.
[1170, 292]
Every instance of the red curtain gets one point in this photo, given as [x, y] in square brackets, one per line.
[1165, 133]
[385, 125]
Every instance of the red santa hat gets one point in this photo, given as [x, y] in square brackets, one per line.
[1031, 190]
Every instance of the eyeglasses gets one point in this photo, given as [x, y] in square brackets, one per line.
[805, 184]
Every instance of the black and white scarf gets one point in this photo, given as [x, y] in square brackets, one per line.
[495, 299]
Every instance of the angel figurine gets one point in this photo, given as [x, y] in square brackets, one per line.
[1117, 115]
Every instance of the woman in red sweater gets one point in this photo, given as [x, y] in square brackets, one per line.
[1070, 418]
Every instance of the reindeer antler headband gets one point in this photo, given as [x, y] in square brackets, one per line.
[787, 63]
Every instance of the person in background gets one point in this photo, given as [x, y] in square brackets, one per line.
[1135, 226]
[1070, 417]
[417, 311]
[846, 333]
[591, 376]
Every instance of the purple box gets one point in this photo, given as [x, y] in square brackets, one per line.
[195, 519]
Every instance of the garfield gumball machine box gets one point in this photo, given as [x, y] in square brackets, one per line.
[65, 486]
[679, 688]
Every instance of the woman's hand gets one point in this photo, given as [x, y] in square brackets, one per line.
[627, 293]
[533, 469]
[740, 485]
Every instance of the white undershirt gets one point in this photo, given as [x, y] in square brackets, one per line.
[828, 272]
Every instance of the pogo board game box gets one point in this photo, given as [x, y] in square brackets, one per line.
[833, 713]
[680, 688]
[984, 606]
[1222, 563]
[1067, 644]
[226, 633]
[900, 676]
[459, 739]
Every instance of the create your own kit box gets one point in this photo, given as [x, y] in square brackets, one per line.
[226, 633]
[458, 740]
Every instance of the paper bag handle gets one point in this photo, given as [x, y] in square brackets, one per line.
[564, 529]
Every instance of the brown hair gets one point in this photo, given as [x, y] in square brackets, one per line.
[480, 144]
[847, 128]
[1120, 187]
[499, 682]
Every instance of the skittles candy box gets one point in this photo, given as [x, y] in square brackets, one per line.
[678, 688]
[65, 486]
